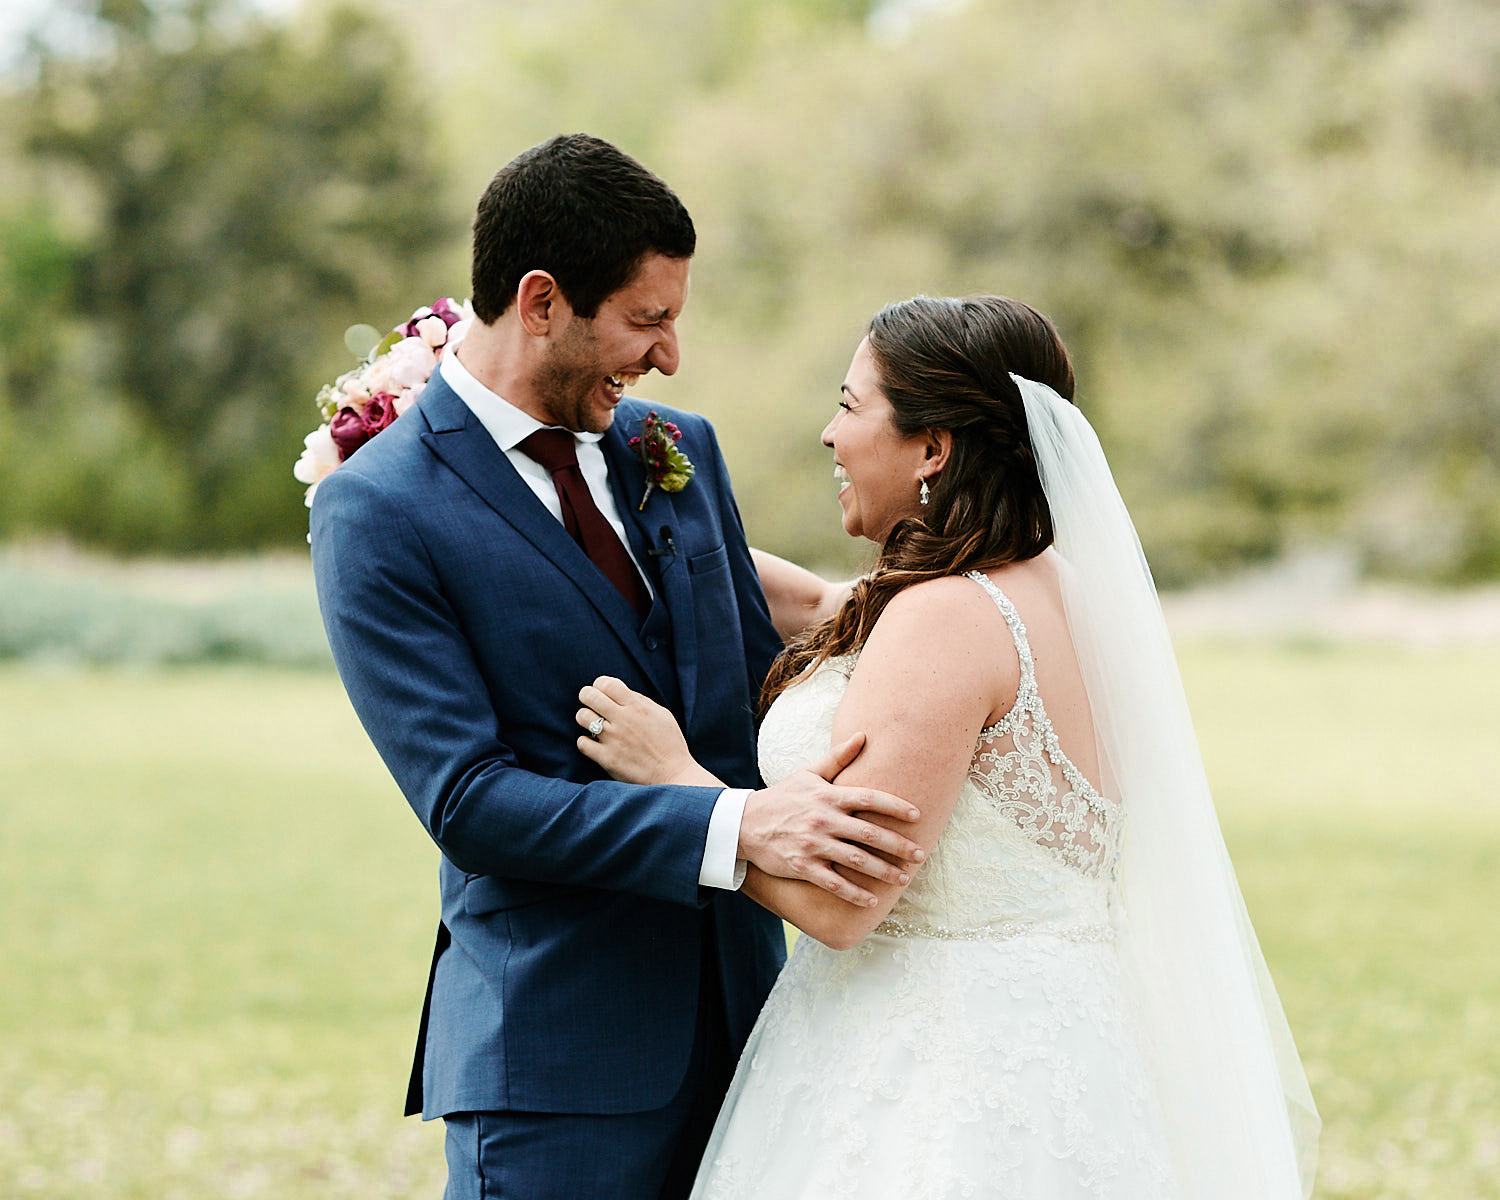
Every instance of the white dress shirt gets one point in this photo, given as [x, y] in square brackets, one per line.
[509, 426]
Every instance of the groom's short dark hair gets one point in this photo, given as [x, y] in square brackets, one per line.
[580, 209]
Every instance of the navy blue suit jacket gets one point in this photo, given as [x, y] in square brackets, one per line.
[463, 620]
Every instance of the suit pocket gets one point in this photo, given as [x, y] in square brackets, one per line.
[486, 894]
[710, 560]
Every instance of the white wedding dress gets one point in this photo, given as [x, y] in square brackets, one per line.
[979, 1042]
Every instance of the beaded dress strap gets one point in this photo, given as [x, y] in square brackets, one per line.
[1027, 696]
[1029, 701]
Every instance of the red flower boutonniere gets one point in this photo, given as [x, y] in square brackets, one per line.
[667, 467]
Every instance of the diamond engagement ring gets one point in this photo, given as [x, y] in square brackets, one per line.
[596, 727]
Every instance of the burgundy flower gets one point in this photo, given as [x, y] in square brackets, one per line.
[349, 431]
[380, 411]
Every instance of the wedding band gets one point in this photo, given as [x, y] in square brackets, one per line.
[596, 727]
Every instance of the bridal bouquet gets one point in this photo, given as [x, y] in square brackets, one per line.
[363, 401]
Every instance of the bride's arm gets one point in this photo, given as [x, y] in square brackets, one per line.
[934, 671]
[796, 597]
[799, 827]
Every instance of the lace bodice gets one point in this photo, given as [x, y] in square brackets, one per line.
[1031, 844]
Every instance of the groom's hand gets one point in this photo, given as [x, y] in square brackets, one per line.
[799, 827]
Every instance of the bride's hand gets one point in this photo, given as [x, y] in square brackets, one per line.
[639, 741]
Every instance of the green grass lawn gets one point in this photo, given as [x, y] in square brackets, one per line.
[217, 914]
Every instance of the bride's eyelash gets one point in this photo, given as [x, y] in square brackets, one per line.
[844, 404]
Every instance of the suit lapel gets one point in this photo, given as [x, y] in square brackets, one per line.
[455, 435]
[644, 527]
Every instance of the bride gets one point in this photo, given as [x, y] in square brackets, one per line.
[1066, 999]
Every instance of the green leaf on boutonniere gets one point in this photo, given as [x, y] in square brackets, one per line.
[666, 466]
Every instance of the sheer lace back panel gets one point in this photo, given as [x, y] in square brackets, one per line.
[1022, 767]
[1031, 844]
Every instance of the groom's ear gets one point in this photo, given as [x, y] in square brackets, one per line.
[539, 303]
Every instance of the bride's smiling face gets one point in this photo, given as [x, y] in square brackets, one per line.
[879, 468]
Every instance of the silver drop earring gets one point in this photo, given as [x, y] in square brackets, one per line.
[925, 492]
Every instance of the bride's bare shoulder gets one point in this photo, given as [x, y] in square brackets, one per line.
[952, 600]
[946, 624]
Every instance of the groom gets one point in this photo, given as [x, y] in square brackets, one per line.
[596, 972]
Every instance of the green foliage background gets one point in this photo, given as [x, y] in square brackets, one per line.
[1266, 231]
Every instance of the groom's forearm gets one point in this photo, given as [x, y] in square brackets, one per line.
[620, 837]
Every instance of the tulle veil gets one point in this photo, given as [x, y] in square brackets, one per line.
[1239, 1115]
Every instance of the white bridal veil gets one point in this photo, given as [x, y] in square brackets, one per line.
[1240, 1119]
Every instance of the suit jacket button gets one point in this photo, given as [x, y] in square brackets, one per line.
[652, 641]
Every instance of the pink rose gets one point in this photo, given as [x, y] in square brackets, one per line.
[407, 364]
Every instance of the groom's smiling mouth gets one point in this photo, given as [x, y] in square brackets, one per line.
[617, 383]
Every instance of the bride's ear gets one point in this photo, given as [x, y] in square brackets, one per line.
[938, 445]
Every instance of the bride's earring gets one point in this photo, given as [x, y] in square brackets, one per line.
[925, 493]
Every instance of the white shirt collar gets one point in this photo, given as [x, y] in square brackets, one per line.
[506, 423]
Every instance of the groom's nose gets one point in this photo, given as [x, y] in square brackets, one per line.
[665, 355]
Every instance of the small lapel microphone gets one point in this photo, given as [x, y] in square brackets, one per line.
[669, 549]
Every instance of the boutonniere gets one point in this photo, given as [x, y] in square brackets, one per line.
[666, 466]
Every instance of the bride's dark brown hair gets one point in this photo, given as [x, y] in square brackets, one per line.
[947, 364]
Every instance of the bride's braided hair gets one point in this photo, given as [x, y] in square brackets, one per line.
[946, 364]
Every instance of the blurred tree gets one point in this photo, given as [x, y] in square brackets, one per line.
[251, 190]
[1262, 231]
[1266, 231]
[37, 272]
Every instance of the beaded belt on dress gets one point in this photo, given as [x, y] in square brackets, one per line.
[998, 932]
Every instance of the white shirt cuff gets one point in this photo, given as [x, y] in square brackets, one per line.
[721, 869]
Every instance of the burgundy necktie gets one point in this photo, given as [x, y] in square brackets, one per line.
[556, 451]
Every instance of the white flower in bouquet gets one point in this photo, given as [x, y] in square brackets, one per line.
[433, 330]
[320, 457]
[356, 389]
